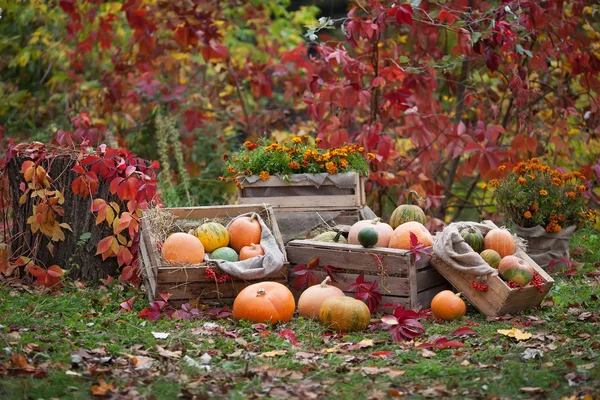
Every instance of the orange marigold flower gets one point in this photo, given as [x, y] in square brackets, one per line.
[582, 188]
[502, 168]
[248, 172]
[294, 165]
[331, 167]
[296, 140]
[522, 181]
[231, 170]
[494, 183]
[225, 157]
[249, 145]
[534, 160]
[571, 195]
[318, 140]
[556, 181]
[544, 192]
[239, 185]
[532, 176]
[561, 217]
[344, 163]
[484, 187]
[534, 207]
[361, 149]
[527, 214]
[264, 175]
[370, 156]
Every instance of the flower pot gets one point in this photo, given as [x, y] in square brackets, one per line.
[544, 247]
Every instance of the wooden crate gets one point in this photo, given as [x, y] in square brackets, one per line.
[499, 299]
[189, 283]
[401, 279]
[302, 196]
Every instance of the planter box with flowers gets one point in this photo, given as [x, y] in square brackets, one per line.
[205, 282]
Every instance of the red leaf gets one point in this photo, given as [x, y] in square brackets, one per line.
[367, 292]
[104, 245]
[403, 324]
[464, 331]
[382, 354]
[128, 305]
[404, 14]
[418, 249]
[55, 271]
[305, 277]
[193, 119]
[443, 343]
[290, 336]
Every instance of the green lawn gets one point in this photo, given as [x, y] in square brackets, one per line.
[73, 339]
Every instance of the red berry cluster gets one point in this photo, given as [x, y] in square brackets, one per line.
[514, 285]
[218, 277]
[536, 281]
[479, 286]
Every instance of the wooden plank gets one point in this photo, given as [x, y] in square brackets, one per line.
[424, 298]
[412, 290]
[348, 247]
[206, 290]
[314, 202]
[226, 211]
[388, 285]
[197, 274]
[289, 191]
[428, 278]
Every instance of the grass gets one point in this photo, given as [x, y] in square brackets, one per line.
[49, 329]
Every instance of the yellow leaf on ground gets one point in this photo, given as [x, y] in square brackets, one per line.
[273, 353]
[515, 333]
[103, 389]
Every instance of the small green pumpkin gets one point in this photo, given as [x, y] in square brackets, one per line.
[368, 237]
[224, 253]
[491, 257]
[330, 236]
[408, 212]
[474, 238]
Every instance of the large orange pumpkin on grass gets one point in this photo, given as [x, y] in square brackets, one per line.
[501, 240]
[401, 236]
[183, 248]
[448, 306]
[244, 231]
[267, 301]
[312, 299]
[384, 231]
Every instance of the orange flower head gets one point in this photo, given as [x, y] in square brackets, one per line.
[522, 181]
[494, 183]
[249, 145]
[318, 140]
[527, 214]
[264, 175]
[296, 140]
[294, 165]
[543, 192]
[582, 188]
[225, 157]
[502, 168]
[331, 167]
[370, 156]
[571, 195]
[484, 187]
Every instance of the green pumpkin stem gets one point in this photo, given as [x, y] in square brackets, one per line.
[253, 217]
[324, 283]
[415, 195]
[336, 238]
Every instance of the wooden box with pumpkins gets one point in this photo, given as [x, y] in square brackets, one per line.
[395, 255]
[490, 267]
[209, 254]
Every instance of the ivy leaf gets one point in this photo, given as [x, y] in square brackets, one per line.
[290, 336]
[330, 269]
[220, 313]
[403, 324]
[366, 292]
[417, 248]
[464, 331]
[127, 305]
[404, 14]
[442, 343]
[305, 277]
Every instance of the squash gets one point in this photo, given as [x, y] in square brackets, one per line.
[310, 301]
[269, 302]
[368, 237]
[212, 235]
[331, 237]
[383, 229]
[448, 306]
[401, 236]
[182, 248]
[244, 231]
[344, 314]
[491, 257]
[501, 240]
[224, 253]
[408, 212]
[514, 269]
[473, 237]
[254, 250]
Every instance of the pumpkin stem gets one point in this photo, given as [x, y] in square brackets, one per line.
[261, 292]
[324, 283]
[253, 217]
[336, 238]
[376, 220]
[415, 195]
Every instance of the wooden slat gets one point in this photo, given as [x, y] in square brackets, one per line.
[424, 298]
[388, 285]
[312, 202]
[196, 274]
[226, 211]
[206, 290]
[281, 191]
[428, 278]
[307, 243]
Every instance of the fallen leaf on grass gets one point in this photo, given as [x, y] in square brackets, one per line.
[103, 389]
[140, 362]
[585, 315]
[21, 363]
[382, 354]
[160, 335]
[273, 353]
[235, 354]
[515, 333]
[167, 353]
[532, 354]
[464, 331]
[532, 390]
[427, 353]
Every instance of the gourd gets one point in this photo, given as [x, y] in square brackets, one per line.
[244, 231]
[212, 235]
[224, 253]
[331, 237]
[514, 269]
[344, 314]
[182, 248]
[491, 257]
[407, 212]
[448, 306]
[312, 298]
[473, 237]
[269, 302]
[384, 231]
[501, 240]
[401, 236]
[254, 250]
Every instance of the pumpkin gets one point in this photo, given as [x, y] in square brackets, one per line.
[448, 306]
[183, 248]
[344, 314]
[254, 250]
[408, 212]
[501, 240]
[491, 257]
[401, 236]
[331, 237]
[266, 301]
[384, 231]
[310, 301]
[368, 237]
[244, 231]
[212, 235]
[514, 269]
[473, 237]
[224, 253]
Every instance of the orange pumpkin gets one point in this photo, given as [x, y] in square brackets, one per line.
[448, 306]
[401, 236]
[311, 299]
[244, 231]
[501, 240]
[183, 248]
[254, 250]
[344, 314]
[264, 302]
[384, 231]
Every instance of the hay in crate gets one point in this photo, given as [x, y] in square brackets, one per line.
[193, 282]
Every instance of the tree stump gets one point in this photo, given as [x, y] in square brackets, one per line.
[75, 255]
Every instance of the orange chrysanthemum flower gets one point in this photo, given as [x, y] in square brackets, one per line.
[264, 175]
[544, 192]
[522, 181]
[527, 214]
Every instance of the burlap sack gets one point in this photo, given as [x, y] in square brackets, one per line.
[543, 247]
[255, 267]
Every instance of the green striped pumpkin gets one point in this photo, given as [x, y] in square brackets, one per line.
[491, 257]
[344, 314]
[473, 237]
[224, 253]
[407, 212]
[212, 235]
